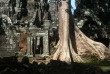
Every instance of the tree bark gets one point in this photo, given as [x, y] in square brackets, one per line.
[73, 43]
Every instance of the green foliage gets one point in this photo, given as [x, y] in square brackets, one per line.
[92, 55]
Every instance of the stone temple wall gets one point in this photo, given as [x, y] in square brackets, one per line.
[25, 24]
[4, 7]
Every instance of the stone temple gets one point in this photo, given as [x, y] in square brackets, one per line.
[28, 26]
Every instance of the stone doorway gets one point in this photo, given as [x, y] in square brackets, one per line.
[38, 43]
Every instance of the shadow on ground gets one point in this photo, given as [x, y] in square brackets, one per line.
[10, 65]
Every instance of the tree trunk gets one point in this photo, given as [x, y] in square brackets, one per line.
[73, 43]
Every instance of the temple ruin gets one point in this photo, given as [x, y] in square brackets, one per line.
[32, 25]
[27, 25]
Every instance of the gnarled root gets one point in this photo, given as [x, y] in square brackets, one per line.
[56, 47]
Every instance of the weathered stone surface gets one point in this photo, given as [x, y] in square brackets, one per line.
[26, 25]
[4, 7]
[8, 45]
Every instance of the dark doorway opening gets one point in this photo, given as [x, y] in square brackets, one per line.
[38, 45]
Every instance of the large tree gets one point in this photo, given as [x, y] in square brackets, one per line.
[73, 44]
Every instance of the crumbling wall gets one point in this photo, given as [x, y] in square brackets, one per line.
[20, 18]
